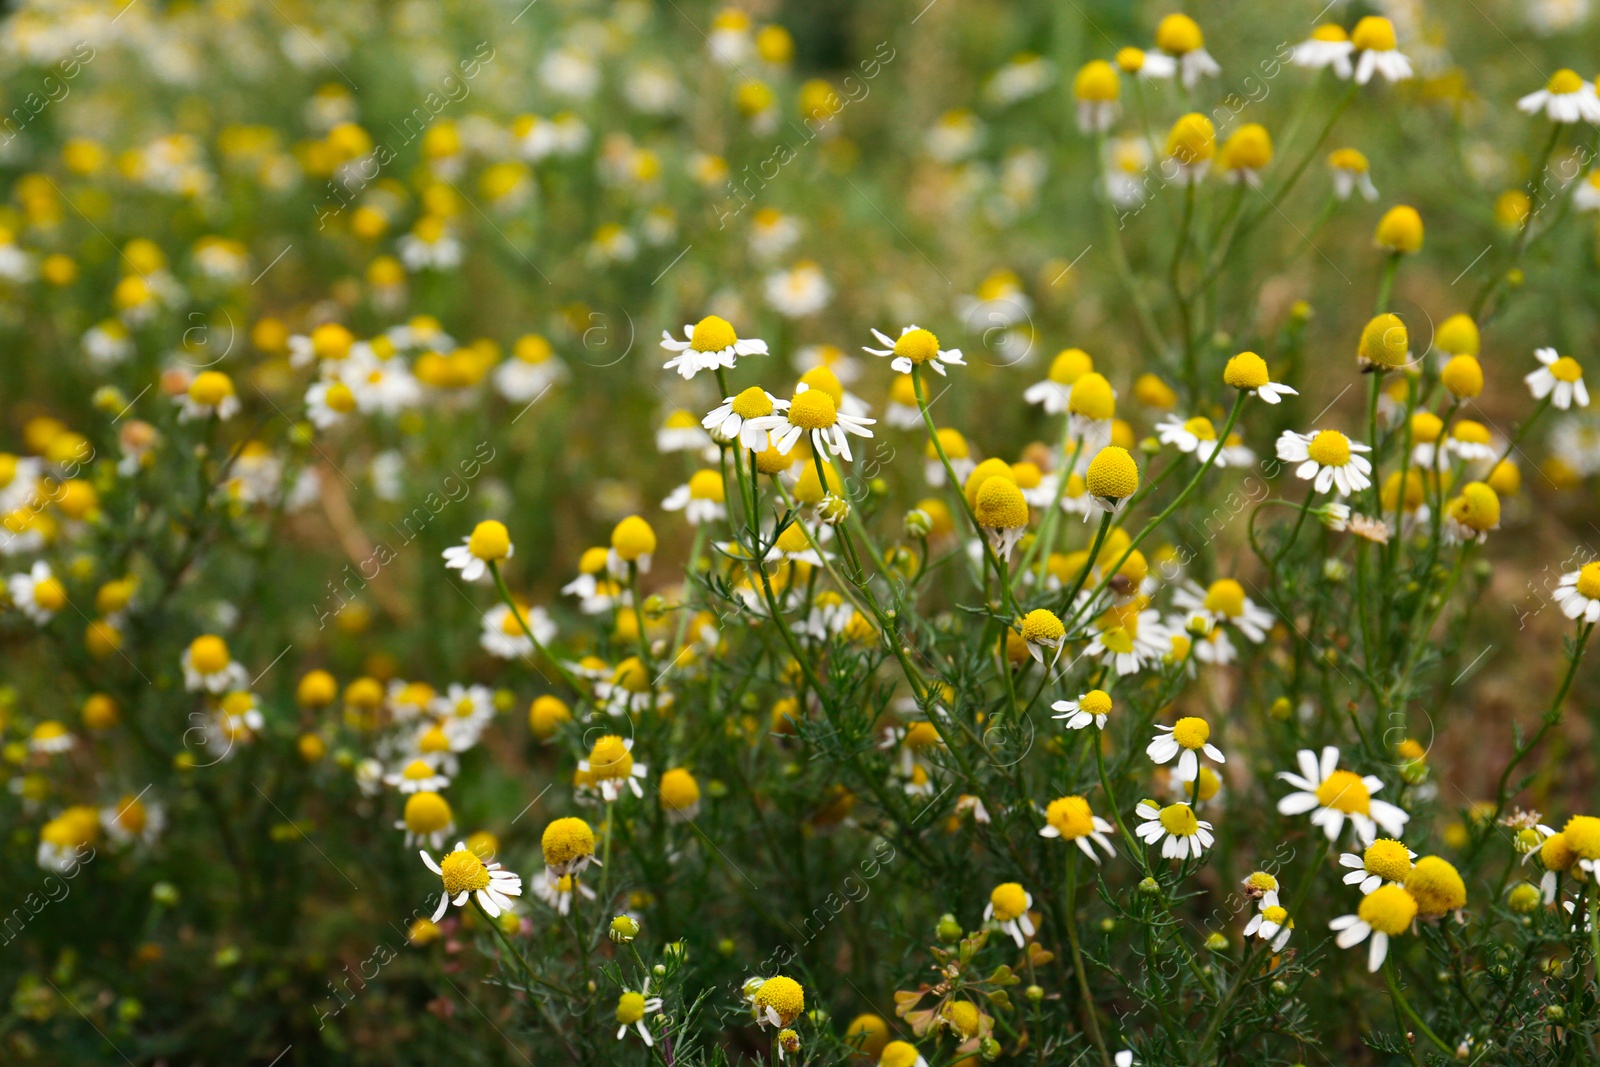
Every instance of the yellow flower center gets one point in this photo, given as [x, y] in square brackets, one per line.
[753, 403]
[1000, 505]
[1329, 31]
[1582, 834]
[1348, 159]
[1179, 820]
[1385, 341]
[630, 1008]
[1070, 816]
[1330, 448]
[631, 675]
[1470, 431]
[1564, 81]
[208, 654]
[1589, 580]
[427, 813]
[1225, 597]
[50, 594]
[1566, 369]
[1275, 914]
[1009, 900]
[490, 541]
[1426, 427]
[1556, 853]
[706, 485]
[1092, 397]
[210, 388]
[1178, 34]
[679, 790]
[712, 334]
[1436, 886]
[1246, 371]
[566, 840]
[824, 379]
[632, 538]
[1095, 702]
[1477, 508]
[1117, 639]
[1096, 81]
[962, 1015]
[1041, 624]
[1113, 475]
[1191, 732]
[610, 758]
[1373, 34]
[917, 345]
[1388, 859]
[782, 995]
[813, 410]
[417, 770]
[1345, 791]
[1201, 427]
[1261, 882]
[1388, 909]
[463, 872]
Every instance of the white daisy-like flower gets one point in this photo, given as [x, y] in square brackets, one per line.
[1586, 197]
[559, 890]
[1565, 98]
[1384, 860]
[1561, 379]
[1131, 641]
[681, 432]
[1327, 458]
[1224, 602]
[503, 636]
[1333, 795]
[610, 768]
[799, 291]
[747, 418]
[1070, 819]
[1328, 46]
[465, 875]
[38, 593]
[633, 1007]
[1578, 593]
[1374, 38]
[211, 393]
[1092, 707]
[51, 738]
[915, 347]
[1351, 173]
[709, 344]
[1197, 436]
[1008, 908]
[1384, 913]
[1271, 924]
[532, 370]
[207, 665]
[1176, 826]
[813, 411]
[701, 498]
[132, 819]
[1187, 736]
[417, 776]
[487, 542]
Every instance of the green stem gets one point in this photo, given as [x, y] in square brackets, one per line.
[1404, 1005]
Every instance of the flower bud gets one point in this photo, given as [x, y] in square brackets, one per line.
[624, 928]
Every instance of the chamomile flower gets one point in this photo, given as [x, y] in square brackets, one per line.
[1578, 593]
[1386, 912]
[1333, 795]
[1196, 436]
[632, 1008]
[747, 418]
[132, 820]
[1471, 440]
[1096, 89]
[1586, 197]
[1261, 886]
[67, 840]
[559, 890]
[1582, 834]
[1130, 638]
[1054, 393]
[709, 344]
[1187, 736]
[628, 689]
[488, 543]
[776, 1001]
[1176, 826]
[1272, 924]
[701, 499]
[1328, 46]
[1044, 634]
[207, 665]
[1179, 36]
[1008, 908]
[1565, 98]
[465, 875]
[1374, 38]
[51, 738]
[210, 393]
[813, 411]
[901, 1054]
[1351, 173]
[1191, 145]
[427, 817]
[1469, 517]
[1070, 819]
[1151, 64]
[1328, 459]
[915, 347]
[799, 291]
[610, 767]
[38, 593]
[1555, 856]
[328, 402]
[1248, 371]
[531, 371]
[1561, 379]
[681, 432]
[1112, 478]
[503, 636]
[1092, 707]
[633, 544]
[1384, 860]
[417, 776]
[1224, 601]
[1002, 513]
[568, 846]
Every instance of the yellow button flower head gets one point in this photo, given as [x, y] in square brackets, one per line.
[1563, 99]
[709, 344]
[1457, 336]
[568, 846]
[1374, 39]
[210, 393]
[1248, 371]
[680, 793]
[1096, 88]
[1470, 516]
[633, 541]
[1043, 631]
[1582, 835]
[1179, 37]
[989, 468]
[915, 347]
[1385, 343]
[1351, 172]
[1191, 145]
[961, 1017]
[488, 543]
[1151, 391]
[1112, 478]
[1070, 819]
[1436, 886]
[1506, 478]
[427, 818]
[1560, 378]
[1384, 913]
[1463, 377]
[1002, 512]
[1008, 906]
[778, 1001]
[1092, 399]
[316, 689]
[1092, 707]
[207, 664]
[464, 874]
[1400, 230]
[1246, 153]
[899, 1054]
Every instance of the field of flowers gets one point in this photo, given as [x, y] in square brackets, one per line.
[899, 533]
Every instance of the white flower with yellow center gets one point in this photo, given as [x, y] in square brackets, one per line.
[1224, 602]
[1565, 98]
[1384, 913]
[1008, 908]
[1044, 634]
[38, 593]
[1187, 736]
[1070, 819]
[1328, 46]
[211, 393]
[747, 418]
[799, 291]
[1092, 707]
[813, 411]
[503, 636]
[1471, 440]
[1327, 458]
[1179, 36]
[1054, 393]
[709, 344]
[207, 665]
[1586, 197]
[427, 817]
[488, 543]
[1578, 593]
[1351, 173]
[1176, 826]
[468, 708]
[1272, 924]
[328, 402]
[465, 875]
[1151, 64]
[610, 767]
[1333, 795]
[51, 738]
[1374, 38]
[1561, 379]
[1384, 860]
[632, 1008]
[701, 499]
[559, 890]
[681, 432]
[1197, 436]
[417, 776]
[532, 369]
[131, 819]
[1130, 639]
[915, 347]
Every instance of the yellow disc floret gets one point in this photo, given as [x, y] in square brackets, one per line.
[1191, 732]
[1388, 859]
[917, 345]
[1388, 909]
[1330, 448]
[712, 334]
[1436, 886]
[632, 538]
[1112, 474]
[1009, 900]
[1345, 791]
[463, 872]
[1246, 371]
[784, 996]
[813, 410]
[1000, 505]
[1070, 816]
[490, 541]
[1042, 624]
[1179, 820]
[566, 840]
